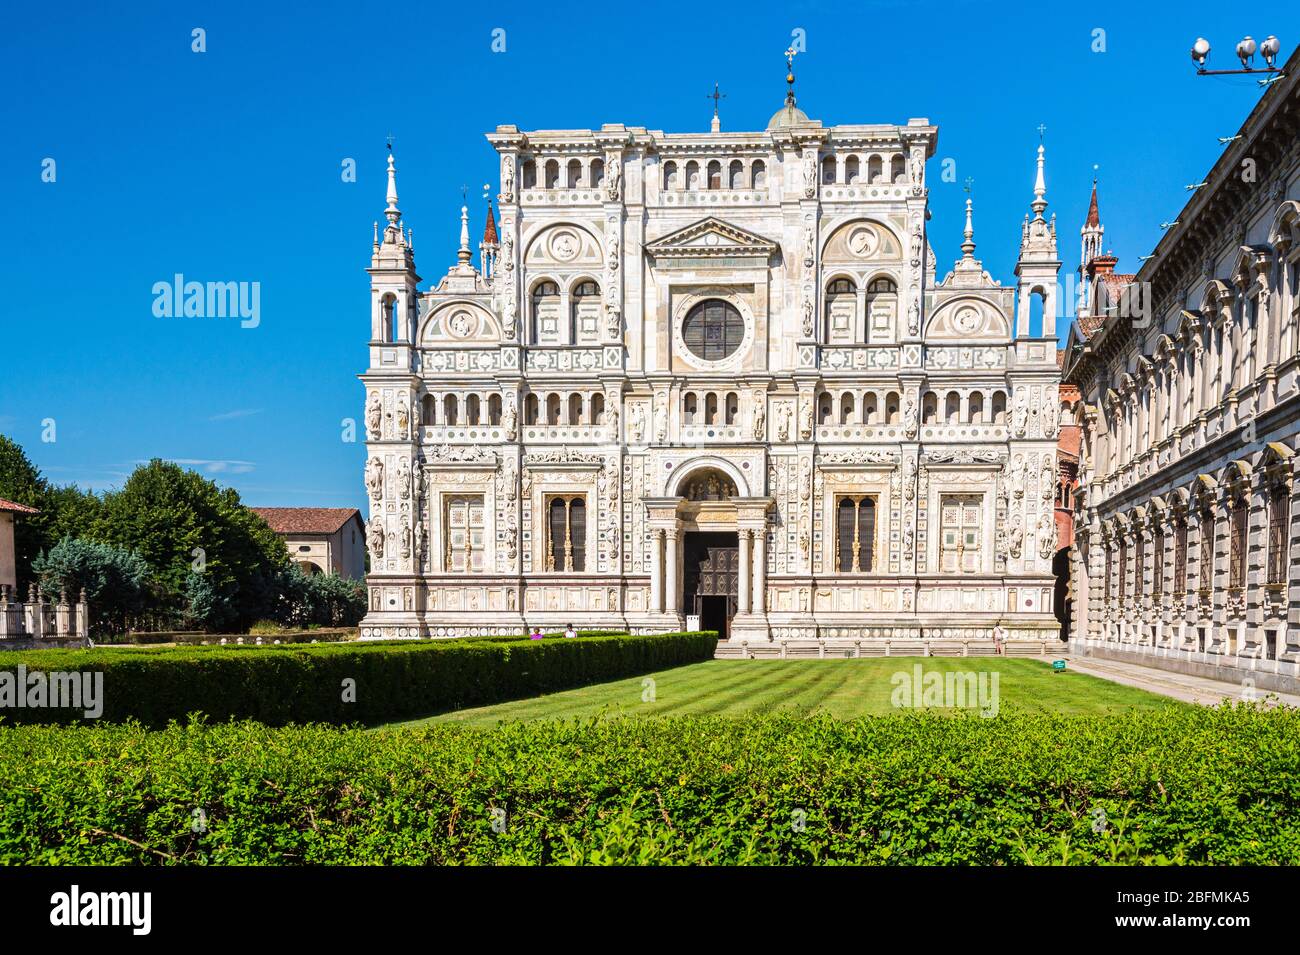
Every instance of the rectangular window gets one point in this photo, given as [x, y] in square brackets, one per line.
[463, 535]
[1237, 545]
[1278, 515]
[1123, 569]
[566, 533]
[1110, 553]
[961, 537]
[1139, 565]
[1206, 579]
[1157, 562]
[1180, 557]
[855, 534]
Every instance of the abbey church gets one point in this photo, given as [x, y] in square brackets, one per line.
[714, 375]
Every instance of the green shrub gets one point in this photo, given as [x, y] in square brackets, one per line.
[389, 681]
[1185, 785]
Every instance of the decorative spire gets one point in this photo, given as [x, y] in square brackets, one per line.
[392, 213]
[1094, 217]
[968, 246]
[463, 255]
[490, 228]
[1040, 182]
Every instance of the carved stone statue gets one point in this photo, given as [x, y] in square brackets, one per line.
[375, 478]
[661, 420]
[909, 477]
[1015, 536]
[403, 480]
[613, 176]
[1016, 476]
[1019, 413]
[808, 317]
[914, 318]
[909, 414]
[375, 533]
[806, 420]
[760, 416]
[918, 170]
[406, 543]
[611, 250]
[510, 421]
[783, 423]
[374, 415]
[403, 421]
[1046, 536]
[809, 176]
[638, 421]
[1048, 485]
[508, 179]
[613, 421]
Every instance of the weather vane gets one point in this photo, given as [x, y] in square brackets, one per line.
[970, 184]
[1041, 129]
[790, 54]
[390, 142]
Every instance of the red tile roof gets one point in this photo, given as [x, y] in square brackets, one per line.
[1093, 217]
[305, 520]
[16, 508]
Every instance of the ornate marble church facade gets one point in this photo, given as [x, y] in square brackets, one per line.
[712, 374]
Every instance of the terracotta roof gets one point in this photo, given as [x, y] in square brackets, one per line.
[16, 508]
[490, 228]
[1089, 324]
[306, 520]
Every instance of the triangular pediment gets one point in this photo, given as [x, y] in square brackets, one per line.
[709, 238]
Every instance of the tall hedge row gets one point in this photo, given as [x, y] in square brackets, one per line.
[1185, 785]
[345, 683]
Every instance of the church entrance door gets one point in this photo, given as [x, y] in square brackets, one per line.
[711, 572]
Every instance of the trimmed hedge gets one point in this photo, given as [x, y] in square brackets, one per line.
[1185, 785]
[304, 684]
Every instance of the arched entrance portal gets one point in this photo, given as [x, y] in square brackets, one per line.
[710, 558]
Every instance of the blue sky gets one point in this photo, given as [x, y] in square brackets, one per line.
[225, 166]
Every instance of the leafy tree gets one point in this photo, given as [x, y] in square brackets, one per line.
[183, 524]
[116, 581]
[21, 483]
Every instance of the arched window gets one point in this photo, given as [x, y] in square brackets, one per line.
[875, 167]
[552, 174]
[450, 410]
[828, 171]
[825, 409]
[952, 408]
[598, 408]
[930, 408]
[546, 313]
[999, 407]
[585, 309]
[574, 177]
[713, 330]
[690, 407]
[735, 174]
[552, 409]
[670, 176]
[733, 407]
[530, 410]
[710, 408]
[715, 174]
[841, 311]
[852, 170]
[575, 409]
[846, 408]
[891, 408]
[472, 409]
[388, 312]
[897, 168]
[429, 410]
[494, 409]
[870, 409]
[882, 304]
[758, 174]
[597, 172]
[692, 175]
[528, 176]
[975, 414]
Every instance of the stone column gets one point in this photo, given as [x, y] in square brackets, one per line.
[657, 571]
[670, 573]
[745, 585]
[760, 571]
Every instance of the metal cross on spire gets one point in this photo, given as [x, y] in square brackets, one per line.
[391, 137]
[1041, 129]
[715, 96]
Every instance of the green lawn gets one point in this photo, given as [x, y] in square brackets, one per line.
[841, 688]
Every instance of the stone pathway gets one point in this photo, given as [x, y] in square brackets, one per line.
[1179, 686]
